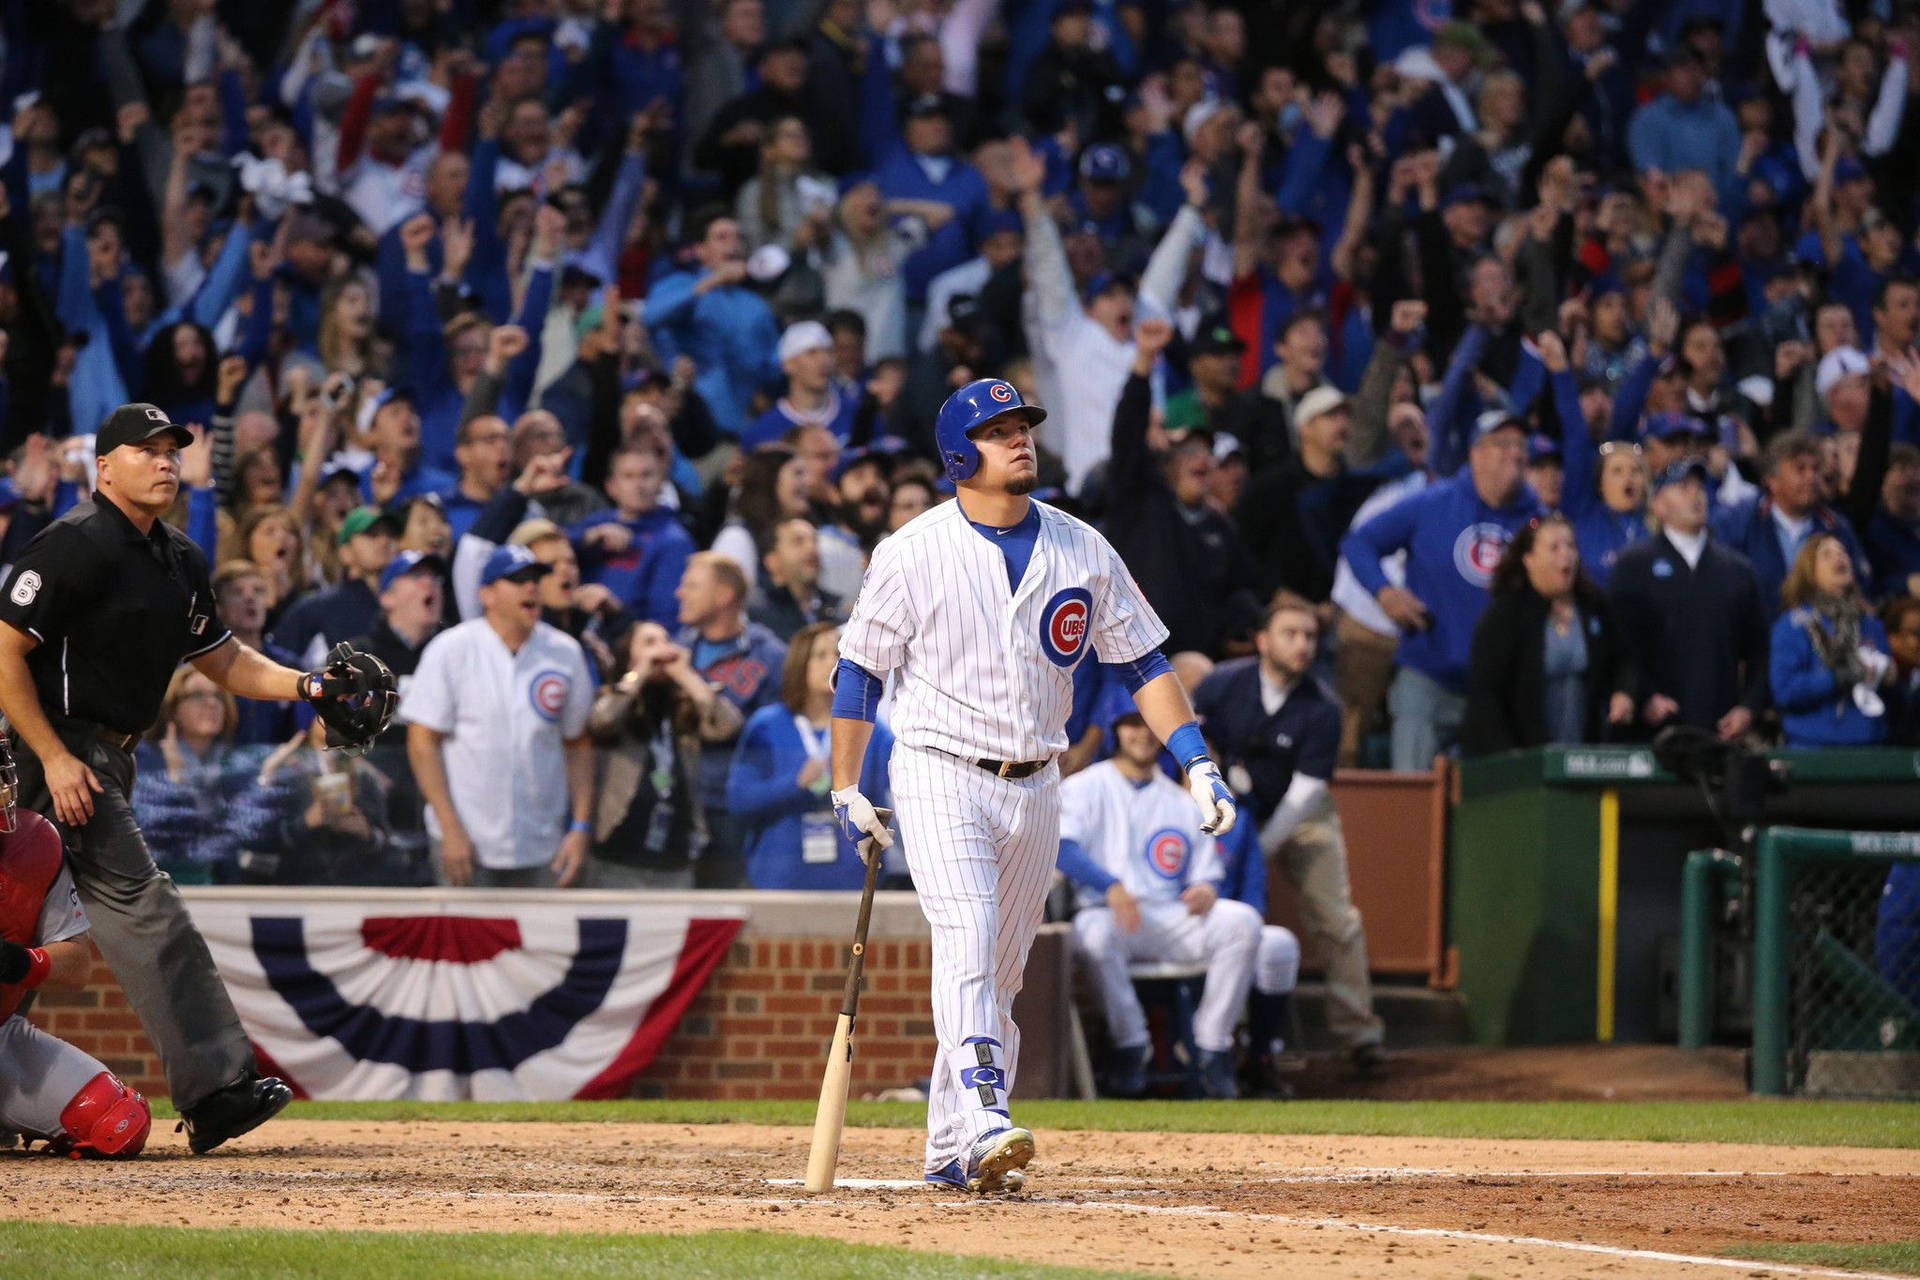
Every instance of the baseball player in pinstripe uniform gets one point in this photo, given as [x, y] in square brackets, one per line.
[980, 609]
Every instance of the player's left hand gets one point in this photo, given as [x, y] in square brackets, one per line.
[1209, 790]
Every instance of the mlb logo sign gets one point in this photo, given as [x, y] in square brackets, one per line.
[1063, 626]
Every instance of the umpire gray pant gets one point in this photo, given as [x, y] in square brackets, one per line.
[142, 927]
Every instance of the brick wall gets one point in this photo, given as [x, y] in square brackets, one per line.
[759, 1029]
[761, 1026]
[98, 1019]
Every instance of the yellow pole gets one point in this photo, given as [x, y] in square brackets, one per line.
[1609, 912]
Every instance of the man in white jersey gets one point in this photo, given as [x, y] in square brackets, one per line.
[980, 609]
[1149, 882]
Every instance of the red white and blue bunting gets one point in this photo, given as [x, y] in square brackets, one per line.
[461, 996]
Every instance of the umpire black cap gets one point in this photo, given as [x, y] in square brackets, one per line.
[132, 423]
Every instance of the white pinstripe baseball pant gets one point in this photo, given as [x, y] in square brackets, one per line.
[981, 849]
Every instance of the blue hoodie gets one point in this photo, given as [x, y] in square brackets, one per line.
[1815, 710]
[762, 793]
[645, 575]
[1453, 542]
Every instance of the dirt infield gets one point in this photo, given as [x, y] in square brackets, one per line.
[1184, 1204]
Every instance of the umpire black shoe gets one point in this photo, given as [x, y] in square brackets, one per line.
[236, 1109]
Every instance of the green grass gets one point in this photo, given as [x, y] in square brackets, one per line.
[1785, 1123]
[48, 1252]
[1896, 1255]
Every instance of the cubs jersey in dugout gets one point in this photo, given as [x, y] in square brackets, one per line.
[983, 670]
[1145, 834]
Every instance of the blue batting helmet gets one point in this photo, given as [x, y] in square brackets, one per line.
[971, 407]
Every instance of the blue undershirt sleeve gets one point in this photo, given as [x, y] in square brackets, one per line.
[856, 692]
[1136, 673]
[1078, 866]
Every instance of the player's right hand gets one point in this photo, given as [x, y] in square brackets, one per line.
[72, 786]
[858, 820]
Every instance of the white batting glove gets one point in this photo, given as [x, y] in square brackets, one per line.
[1209, 790]
[859, 820]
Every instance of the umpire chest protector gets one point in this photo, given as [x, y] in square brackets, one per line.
[114, 611]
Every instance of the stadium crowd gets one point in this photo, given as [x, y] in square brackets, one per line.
[1555, 365]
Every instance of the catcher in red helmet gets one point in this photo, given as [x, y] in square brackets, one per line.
[50, 1091]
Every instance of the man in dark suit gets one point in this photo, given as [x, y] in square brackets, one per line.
[1691, 616]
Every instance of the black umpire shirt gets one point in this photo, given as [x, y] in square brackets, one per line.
[114, 611]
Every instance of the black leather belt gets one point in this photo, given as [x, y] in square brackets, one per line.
[1014, 769]
[99, 733]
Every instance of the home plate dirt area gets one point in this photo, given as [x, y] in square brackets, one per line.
[1184, 1204]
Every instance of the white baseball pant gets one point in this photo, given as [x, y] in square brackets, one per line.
[981, 849]
[1224, 940]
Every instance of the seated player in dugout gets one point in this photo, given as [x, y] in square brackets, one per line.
[50, 1091]
[1149, 884]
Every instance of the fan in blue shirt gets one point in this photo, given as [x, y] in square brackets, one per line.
[636, 549]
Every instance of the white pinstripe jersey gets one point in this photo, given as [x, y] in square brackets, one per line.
[1149, 836]
[979, 671]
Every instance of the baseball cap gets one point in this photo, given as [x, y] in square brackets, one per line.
[1668, 427]
[862, 457]
[1103, 281]
[1320, 400]
[1675, 472]
[768, 263]
[132, 423]
[1215, 337]
[1493, 420]
[513, 562]
[1841, 362]
[401, 393]
[363, 520]
[1466, 193]
[410, 562]
[1543, 448]
[1226, 445]
[1197, 116]
[1105, 162]
[808, 335]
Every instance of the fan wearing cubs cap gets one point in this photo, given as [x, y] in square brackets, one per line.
[99, 609]
[496, 718]
[979, 611]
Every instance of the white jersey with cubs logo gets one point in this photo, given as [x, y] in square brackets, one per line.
[505, 716]
[1148, 835]
[981, 670]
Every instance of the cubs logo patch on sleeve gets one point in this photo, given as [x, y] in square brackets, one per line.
[1063, 626]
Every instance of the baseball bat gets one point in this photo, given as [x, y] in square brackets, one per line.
[830, 1118]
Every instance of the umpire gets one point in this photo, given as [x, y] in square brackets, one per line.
[100, 608]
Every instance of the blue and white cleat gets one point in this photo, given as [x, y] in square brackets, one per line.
[996, 1159]
[948, 1175]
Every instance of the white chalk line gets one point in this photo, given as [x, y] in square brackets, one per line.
[1203, 1212]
